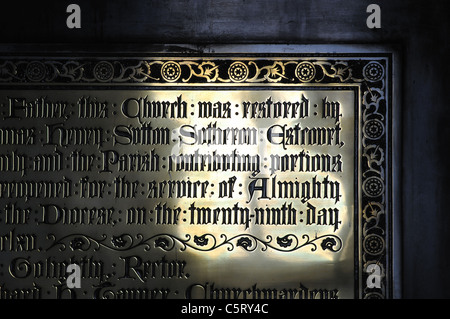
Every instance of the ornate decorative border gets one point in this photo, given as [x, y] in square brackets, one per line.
[154, 71]
[205, 242]
[372, 72]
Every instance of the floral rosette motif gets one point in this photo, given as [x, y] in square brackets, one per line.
[373, 186]
[373, 129]
[373, 244]
[103, 71]
[238, 72]
[373, 71]
[171, 71]
[305, 71]
[35, 71]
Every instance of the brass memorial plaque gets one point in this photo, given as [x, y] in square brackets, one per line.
[196, 176]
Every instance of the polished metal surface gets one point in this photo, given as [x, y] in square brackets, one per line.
[209, 177]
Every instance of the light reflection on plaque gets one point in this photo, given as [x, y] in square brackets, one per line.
[191, 178]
